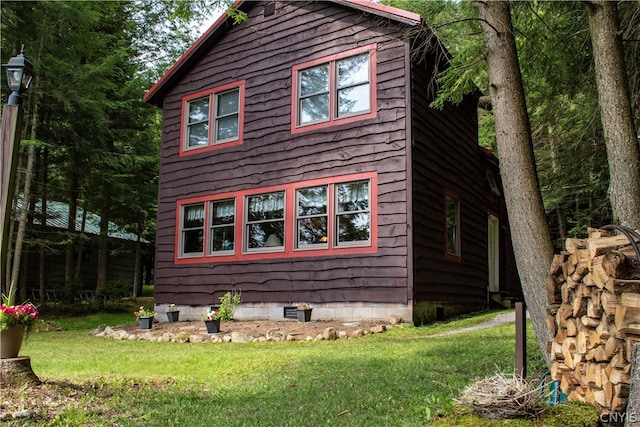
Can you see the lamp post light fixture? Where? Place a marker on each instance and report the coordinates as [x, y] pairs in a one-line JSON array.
[[19, 76]]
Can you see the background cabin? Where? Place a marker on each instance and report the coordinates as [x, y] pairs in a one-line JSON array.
[[301, 162], [122, 247]]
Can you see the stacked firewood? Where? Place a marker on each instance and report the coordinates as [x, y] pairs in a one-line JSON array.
[[593, 293]]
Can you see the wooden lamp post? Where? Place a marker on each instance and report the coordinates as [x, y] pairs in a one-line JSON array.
[[19, 76], [14, 371]]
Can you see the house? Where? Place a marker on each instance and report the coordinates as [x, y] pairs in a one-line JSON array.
[[300, 161]]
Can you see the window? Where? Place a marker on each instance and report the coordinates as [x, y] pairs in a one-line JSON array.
[[227, 115], [213, 118], [334, 90], [353, 219], [192, 236], [265, 221], [452, 237], [222, 231], [198, 123], [312, 217], [327, 216]]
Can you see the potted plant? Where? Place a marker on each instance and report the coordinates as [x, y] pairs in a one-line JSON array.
[[212, 321], [173, 314], [228, 304], [304, 310], [145, 317], [15, 322]]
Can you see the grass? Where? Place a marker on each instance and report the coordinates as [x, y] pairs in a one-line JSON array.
[[400, 378]]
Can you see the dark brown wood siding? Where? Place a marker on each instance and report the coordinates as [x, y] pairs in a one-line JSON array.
[[446, 157], [262, 51]]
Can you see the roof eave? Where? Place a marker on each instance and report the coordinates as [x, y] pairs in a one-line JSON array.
[[156, 93], [393, 13]]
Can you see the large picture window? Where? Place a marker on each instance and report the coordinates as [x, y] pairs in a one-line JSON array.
[[353, 215], [317, 217], [265, 221], [222, 231], [334, 90], [213, 118], [312, 217]]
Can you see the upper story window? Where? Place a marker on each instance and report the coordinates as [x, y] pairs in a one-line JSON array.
[[452, 219], [336, 89], [213, 118]]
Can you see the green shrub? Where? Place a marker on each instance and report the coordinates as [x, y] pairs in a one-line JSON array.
[[228, 304]]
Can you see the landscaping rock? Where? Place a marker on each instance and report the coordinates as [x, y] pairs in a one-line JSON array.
[[378, 329], [197, 338], [394, 319], [330, 334], [21, 414], [237, 337], [245, 331]]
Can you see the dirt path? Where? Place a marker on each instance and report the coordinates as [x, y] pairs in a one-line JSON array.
[[500, 319]]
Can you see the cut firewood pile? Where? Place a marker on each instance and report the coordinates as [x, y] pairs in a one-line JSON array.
[[593, 293]]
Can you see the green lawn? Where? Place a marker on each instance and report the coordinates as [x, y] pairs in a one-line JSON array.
[[402, 377]]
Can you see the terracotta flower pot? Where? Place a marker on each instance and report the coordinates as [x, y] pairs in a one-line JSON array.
[[11, 341]]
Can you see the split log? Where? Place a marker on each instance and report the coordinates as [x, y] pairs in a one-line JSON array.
[[604, 244], [572, 245], [609, 302], [572, 327], [626, 315]]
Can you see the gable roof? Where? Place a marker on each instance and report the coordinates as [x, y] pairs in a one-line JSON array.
[[156, 93]]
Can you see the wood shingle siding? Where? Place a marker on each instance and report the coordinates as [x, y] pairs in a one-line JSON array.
[[262, 52]]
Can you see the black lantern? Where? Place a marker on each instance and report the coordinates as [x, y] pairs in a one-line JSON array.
[[19, 76]]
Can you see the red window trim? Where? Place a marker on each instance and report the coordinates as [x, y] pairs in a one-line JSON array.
[[211, 92], [447, 255], [333, 121], [289, 250]]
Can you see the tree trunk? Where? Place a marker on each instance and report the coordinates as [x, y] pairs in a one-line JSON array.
[[103, 239], [615, 112], [137, 271], [22, 223], [73, 210], [42, 272], [529, 230], [17, 373]]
